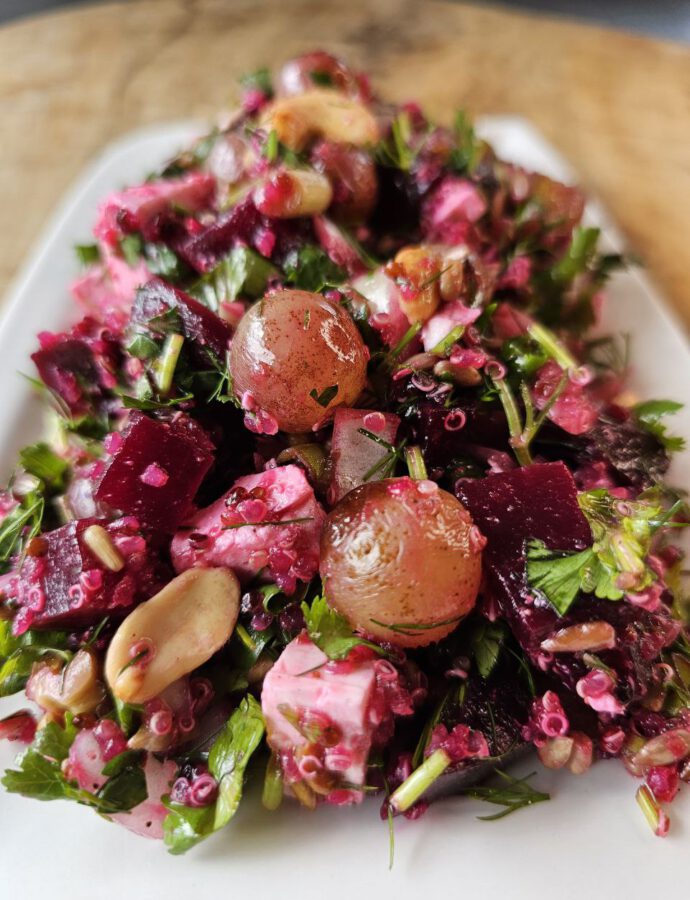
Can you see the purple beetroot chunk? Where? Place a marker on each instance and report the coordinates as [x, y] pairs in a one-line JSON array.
[[64, 584], [155, 470], [79, 366], [538, 501], [204, 330]]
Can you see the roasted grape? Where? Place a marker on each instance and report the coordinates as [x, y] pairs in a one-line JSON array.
[[294, 358], [401, 560]]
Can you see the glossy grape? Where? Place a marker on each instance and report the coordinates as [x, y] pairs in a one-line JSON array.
[[295, 357], [401, 560]]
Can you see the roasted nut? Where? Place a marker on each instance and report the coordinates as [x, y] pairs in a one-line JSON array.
[[101, 545], [300, 119], [172, 634], [294, 192], [586, 636], [75, 688], [416, 270]]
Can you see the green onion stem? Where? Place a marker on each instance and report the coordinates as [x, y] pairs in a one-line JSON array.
[[419, 781], [415, 463], [551, 345], [515, 428], [167, 361], [444, 345]]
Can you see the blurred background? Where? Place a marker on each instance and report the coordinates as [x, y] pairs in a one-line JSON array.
[[663, 18]]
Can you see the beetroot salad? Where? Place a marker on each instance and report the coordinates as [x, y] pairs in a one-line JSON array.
[[339, 492]]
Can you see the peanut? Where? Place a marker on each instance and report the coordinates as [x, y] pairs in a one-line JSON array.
[[300, 119], [586, 636], [75, 688], [178, 629], [416, 271]]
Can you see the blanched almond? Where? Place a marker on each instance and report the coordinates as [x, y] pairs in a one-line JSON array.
[[319, 113], [173, 633], [75, 688]]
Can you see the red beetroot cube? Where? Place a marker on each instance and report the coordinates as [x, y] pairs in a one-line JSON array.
[[156, 469], [64, 584], [200, 326], [79, 366]]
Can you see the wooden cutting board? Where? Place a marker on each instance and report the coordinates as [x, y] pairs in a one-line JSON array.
[[616, 105]]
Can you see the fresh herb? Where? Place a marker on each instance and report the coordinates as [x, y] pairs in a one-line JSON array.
[[243, 272], [557, 575], [272, 146], [648, 416], [258, 81], [19, 526], [407, 794], [467, 153], [332, 633], [272, 794], [137, 658], [409, 628], [18, 653], [622, 532], [513, 794], [395, 151], [486, 643], [147, 404], [322, 79], [299, 521], [326, 395], [38, 774], [185, 826], [132, 249], [87, 254], [523, 433], [445, 345], [415, 463], [143, 347], [311, 269], [161, 260], [39, 460]]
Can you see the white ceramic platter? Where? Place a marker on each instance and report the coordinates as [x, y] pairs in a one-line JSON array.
[[589, 841]]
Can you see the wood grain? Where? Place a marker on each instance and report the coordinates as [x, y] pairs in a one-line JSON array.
[[617, 105]]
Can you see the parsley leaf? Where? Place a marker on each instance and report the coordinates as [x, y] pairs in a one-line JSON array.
[[649, 415], [185, 826], [87, 254], [558, 575], [39, 460], [486, 642], [20, 525], [331, 632], [310, 269], [18, 655], [242, 272]]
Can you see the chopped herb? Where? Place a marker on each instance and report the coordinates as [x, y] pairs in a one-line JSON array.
[[299, 521], [142, 654], [311, 269], [40, 460], [513, 794], [18, 653], [19, 526], [323, 79], [330, 631], [87, 254], [486, 642], [326, 395], [648, 416], [467, 153], [558, 575], [272, 146], [391, 837], [185, 826], [419, 781], [160, 260], [142, 347], [272, 794], [147, 404], [258, 81], [445, 345], [409, 628], [243, 272], [132, 248], [415, 463]]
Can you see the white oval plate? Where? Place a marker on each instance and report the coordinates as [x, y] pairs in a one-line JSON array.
[[589, 841]]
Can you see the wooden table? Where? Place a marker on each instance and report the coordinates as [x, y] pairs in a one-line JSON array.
[[618, 106]]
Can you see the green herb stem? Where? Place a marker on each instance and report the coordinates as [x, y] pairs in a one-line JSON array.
[[548, 341], [419, 781], [167, 362], [272, 794], [415, 463]]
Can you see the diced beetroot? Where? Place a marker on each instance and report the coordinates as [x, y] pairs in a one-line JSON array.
[[321, 717], [203, 250], [575, 411], [450, 211], [440, 325], [538, 501], [134, 208], [383, 299], [200, 326], [221, 536], [353, 453], [63, 584], [79, 366], [178, 449], [106, 291]]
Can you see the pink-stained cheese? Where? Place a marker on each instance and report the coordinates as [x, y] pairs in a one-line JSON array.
[[223, 534], [304, 683]]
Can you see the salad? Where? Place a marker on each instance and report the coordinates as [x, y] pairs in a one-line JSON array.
[[339, 492]]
